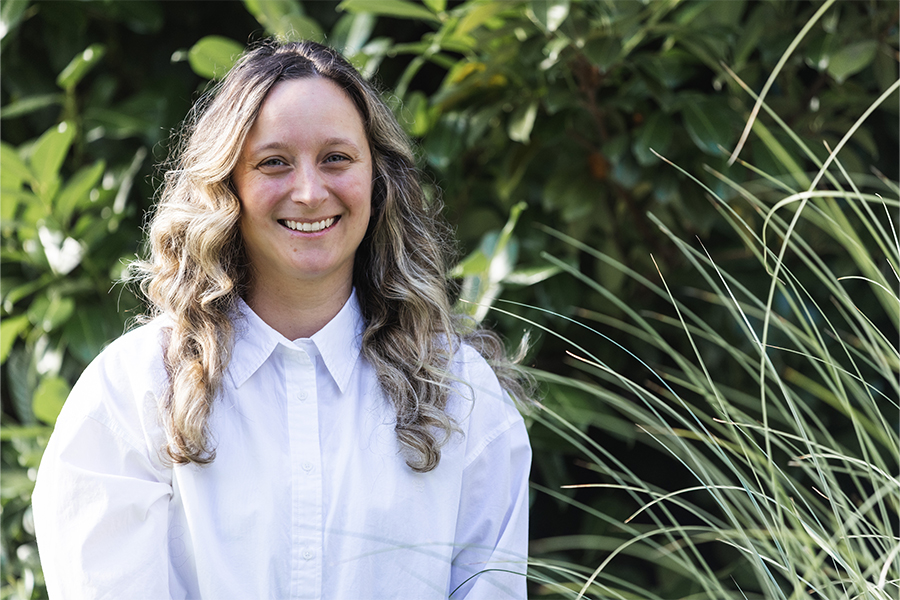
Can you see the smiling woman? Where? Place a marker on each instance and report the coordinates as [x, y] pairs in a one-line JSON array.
[[304, 179], [301, 416]]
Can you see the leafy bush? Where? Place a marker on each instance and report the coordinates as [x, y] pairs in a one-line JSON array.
[[63, 247], [543, 116]]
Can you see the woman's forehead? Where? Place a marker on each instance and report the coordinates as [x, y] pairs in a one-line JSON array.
[[307, 109]]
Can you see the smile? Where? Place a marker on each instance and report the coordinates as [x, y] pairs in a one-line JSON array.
[[309, 227]]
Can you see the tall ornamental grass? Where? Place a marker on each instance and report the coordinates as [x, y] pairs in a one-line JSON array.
[[773, 389]]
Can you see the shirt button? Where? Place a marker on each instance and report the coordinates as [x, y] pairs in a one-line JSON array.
[[308, 554], [302, 396], [307, 466]]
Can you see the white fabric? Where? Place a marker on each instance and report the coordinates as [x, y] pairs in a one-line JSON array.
[[308, 497]]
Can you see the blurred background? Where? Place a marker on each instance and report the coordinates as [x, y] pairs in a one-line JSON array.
[[541, 126]]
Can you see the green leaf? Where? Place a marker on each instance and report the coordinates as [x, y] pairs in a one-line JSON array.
[[851, 59], [117, 124], [268, 12], [507, 231], [49, 313], [709, 124], [521, 122], [87, 332], [80, 66], [77, 191], [370, 56], [445, 140], [17, 484], [603, 52], [11, 12], [10, 201], [11, 297], [295, 28], [213, 56], [414, 115], [781, 155], [719, 14], [285, 19], [401, 9], [49, 153], [351, 32], [49, 398], [10, 433], [473, 264], [550, 13], [752, 31], [476, 16], [21, 378], [488, 266], [29, 104], [9, 333], [142, 17], [884, 67], [673, 67], [531, 275], [655, 134], [436, 5], [820, 50], [13, 170]]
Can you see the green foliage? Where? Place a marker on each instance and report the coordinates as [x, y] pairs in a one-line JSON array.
[[548, 125], [562, 105], [213, 56], [782, 421], [285, 19], [61, 253], [390, 8], [492, 265]]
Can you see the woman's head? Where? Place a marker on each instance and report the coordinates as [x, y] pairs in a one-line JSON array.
[[218, 128], [304, 179]]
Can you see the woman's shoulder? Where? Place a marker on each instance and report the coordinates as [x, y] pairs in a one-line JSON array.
[[120, 387], [480, 405], [469, 365], [136, 354]]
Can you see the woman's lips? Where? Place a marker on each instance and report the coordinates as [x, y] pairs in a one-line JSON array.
[[313, 227]]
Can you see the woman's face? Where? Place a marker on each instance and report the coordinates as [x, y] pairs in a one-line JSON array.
[[304, 179]]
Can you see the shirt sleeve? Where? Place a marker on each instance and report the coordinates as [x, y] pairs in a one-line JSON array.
[[491, 556], [101, 502]]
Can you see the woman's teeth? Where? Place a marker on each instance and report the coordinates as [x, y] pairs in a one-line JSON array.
[[309, 227]]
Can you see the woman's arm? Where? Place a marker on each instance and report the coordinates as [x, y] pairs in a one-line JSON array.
[[492, 530], [491, 541], [101, 499]]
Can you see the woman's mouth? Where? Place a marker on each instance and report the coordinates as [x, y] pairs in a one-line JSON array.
[[309, 227]]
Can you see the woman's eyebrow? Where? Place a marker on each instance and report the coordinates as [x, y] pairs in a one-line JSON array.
[[278, 144], [339, 141]]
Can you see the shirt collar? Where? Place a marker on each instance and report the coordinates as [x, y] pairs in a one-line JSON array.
[[338, 343]]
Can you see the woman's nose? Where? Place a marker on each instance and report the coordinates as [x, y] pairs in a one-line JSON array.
[[308, 186]]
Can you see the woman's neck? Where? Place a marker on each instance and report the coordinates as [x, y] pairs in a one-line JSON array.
[[299, 312]]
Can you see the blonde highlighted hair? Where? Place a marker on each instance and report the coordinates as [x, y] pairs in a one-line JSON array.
[[197, 268]]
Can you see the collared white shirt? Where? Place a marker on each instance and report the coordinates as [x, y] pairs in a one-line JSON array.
[[309, 495]]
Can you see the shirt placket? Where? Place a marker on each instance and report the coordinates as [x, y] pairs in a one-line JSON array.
[[306, 475]]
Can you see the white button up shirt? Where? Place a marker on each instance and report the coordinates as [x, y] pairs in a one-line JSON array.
[[309, 495]]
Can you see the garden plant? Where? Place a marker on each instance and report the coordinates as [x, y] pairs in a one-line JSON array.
[[691, 206]]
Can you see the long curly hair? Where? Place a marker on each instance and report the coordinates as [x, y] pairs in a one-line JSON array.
[[197, 267]]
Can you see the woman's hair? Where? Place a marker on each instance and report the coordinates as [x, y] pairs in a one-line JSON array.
[[197, 266]]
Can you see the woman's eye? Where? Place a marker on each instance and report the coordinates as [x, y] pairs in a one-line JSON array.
[[272, 162], [336, 158]]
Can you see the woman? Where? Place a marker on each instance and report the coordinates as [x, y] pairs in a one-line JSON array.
[[302, 418]]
